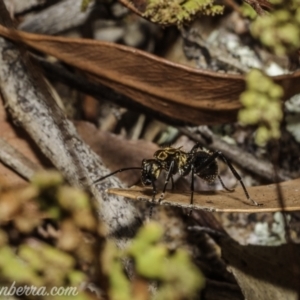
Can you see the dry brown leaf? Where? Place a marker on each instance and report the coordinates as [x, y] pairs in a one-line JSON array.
[[177, 91], [264, 272], [222, 201]]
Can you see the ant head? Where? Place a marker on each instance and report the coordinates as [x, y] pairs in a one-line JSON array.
[[151, 169]]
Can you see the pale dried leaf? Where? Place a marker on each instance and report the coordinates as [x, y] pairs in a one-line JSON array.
[[222, 201]]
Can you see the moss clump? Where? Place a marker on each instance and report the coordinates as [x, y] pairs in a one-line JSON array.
[[170, 12], [178, 277], [262, 106], [280, 30], [248, 11], [44, 227]]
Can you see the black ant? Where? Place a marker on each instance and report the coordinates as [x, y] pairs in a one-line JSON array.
[[173, 160]]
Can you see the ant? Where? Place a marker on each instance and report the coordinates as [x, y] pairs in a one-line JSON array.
[[198, 161]]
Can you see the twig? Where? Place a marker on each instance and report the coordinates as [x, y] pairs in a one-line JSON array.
[[137, 129], [32, 106], [207, 230], [12, 158], [246, 160], [234, 6], [256, 5]]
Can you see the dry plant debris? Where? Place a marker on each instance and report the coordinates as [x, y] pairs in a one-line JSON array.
[[222, 201], [130, 88]]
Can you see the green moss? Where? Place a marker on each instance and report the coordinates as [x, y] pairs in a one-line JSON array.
[[262, 106], [76, 277], [84, 4], [46, 179], [119, 284], [27, 259], [279, 30], [151, 264], [248, 11], [56, 257], [276, 2], [72, 199], [289, 33], [178, 277], [14, 269], [297, 15], [179, 11]]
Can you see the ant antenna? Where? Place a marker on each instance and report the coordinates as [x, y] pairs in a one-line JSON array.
[[118, 171]]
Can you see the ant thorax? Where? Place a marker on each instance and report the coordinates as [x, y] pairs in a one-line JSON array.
[[168, 155], [151, 169]]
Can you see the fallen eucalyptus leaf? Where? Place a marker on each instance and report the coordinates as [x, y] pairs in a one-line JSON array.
[[264, 272], [222, 201], [180, 92]]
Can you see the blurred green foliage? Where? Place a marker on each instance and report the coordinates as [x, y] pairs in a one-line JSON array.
[[280, 29], [76, 251], [84, 4], [176, 275], [179, 11], [30, 259], [248, 11], [262, 106]]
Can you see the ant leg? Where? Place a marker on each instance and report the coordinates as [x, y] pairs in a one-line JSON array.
[[217, 154], [154, 191], [169, 175], [236, 175], [192, 190], [115, 172], [224, 186], [172, 181]]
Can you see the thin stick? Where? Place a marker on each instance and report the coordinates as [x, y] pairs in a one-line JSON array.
[[15, 160]]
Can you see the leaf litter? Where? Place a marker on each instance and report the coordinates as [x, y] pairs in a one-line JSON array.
[[120, 151]]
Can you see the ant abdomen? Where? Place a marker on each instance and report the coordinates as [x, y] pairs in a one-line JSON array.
[[208, 173]]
